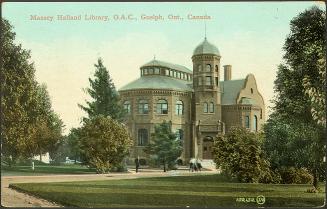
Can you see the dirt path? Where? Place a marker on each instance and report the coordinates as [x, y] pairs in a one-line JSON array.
[[13, 198]]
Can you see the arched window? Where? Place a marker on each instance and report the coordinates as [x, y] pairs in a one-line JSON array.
[[247, 121], [251, 90], [127, 107], [216, 68], [143, 107], [162, 106], [199, 68], [142, 138], [208, 68], [179, 108], [255, 123], [205, 107], [211, 107]]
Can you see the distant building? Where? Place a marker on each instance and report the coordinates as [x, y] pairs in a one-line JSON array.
[[197, 103]]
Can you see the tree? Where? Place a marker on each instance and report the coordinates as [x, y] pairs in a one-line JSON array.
[[239, 154], [73, 143], [46, 126], [104, 94], [300, 88], [165, 145], [104, 142], [25, 105]]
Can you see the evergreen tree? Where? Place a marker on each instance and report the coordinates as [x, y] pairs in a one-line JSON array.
[[104, 94], [165, 145]]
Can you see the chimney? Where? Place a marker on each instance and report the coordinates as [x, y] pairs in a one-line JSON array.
[[227, 72]]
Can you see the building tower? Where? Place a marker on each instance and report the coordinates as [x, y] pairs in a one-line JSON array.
[[206, 76]]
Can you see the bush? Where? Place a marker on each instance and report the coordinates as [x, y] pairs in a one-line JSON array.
[[142, 161], [291, 175], [179, 162], [270, 177]]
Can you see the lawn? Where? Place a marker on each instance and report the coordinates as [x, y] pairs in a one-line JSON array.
[[174, 191], [46, 169]]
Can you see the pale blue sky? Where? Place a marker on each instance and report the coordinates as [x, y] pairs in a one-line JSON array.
[[249, 36]]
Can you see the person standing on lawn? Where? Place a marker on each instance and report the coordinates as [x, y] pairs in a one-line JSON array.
[[137, 164]]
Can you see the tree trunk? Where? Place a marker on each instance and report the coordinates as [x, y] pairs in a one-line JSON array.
[[40, 156], [315, 179]]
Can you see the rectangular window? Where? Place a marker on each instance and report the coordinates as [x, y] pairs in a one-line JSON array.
[[216, 81], [145, 71], [208, 80], [156, 71], [200, 81], [167, 72]]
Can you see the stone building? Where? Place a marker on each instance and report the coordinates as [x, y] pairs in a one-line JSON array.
[[198, 103]]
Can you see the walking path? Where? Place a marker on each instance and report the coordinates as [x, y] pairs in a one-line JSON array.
[[13, 198]]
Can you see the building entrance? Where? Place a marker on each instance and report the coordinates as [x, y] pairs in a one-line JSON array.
[[207, 147]]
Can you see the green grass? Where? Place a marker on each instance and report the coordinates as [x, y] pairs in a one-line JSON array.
[[177, 191], [46, 169]]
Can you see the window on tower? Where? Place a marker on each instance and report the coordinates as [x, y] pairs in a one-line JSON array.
[[200, 81], [205, 107], [199, 68], [208, 68], [216, 78], [211, 107], [216, 68], [208, 80]]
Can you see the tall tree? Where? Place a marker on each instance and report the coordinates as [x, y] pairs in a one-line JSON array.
[[104, 94], [17, 87], [299, 86], [28, 124], [165, 145]]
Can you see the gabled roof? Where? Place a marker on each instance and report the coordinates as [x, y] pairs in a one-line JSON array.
[[230, 90], [158, 82], [158, 63]]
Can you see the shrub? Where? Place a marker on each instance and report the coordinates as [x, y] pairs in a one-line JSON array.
[[142, 161], [291, 175]]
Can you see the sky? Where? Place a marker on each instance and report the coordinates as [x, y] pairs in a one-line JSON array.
[[249, 36]]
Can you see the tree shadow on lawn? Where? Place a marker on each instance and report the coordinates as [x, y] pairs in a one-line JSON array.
[[160, 200]]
